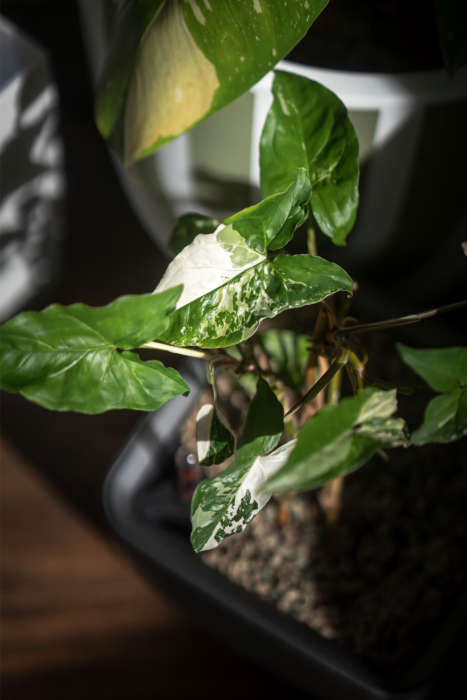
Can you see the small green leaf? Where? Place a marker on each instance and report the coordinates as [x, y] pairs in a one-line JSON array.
[[308, 127], [340, 439], [264, 423], [288, 355], [445, 419], [224, 505], [445, 370], [69, 358], [175, 63], [215, 442], [187, 228]]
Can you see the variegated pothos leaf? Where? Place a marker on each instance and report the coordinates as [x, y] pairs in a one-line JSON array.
[[175, 62], [230, 283], [215, 442], [224, 505]]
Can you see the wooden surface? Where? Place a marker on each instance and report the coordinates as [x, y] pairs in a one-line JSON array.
[[79, 622]]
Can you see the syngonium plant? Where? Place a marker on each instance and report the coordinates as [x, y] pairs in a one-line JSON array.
[[174, 64]]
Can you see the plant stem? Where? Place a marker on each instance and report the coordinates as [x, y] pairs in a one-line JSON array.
[[311, 236], [321, 384], [189, 352], [401, 320], [332, 491]]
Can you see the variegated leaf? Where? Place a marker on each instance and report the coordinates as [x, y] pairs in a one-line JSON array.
[[340, 439], [225, 504], [175, 62], [215, 442], [230, 283]]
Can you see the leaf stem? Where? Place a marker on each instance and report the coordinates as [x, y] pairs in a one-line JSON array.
[[322, 382], [401, 320], [188, 352]]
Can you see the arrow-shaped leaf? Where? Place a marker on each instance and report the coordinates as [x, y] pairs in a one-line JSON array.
[[444, 370], [175, 63], [229, 282], [340, 439], [308, 127], [75, 358], [224, 505]]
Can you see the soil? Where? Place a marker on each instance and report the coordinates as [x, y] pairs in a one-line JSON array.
[[379, 580]]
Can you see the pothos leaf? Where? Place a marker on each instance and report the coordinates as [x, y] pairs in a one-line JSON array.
[[230, 283], [340, 439], [308, 127], [69, 358], [186, 59], [445, 370], [215, 442], [225, 504]]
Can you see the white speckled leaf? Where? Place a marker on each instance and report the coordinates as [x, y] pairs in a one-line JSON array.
[[224, 505], [232, 311], [229, 282]]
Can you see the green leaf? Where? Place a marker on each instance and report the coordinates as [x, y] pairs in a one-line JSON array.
[[288, 355], [445, 370], [445, 419], [224, 505], [69, 358], [340, 439], [133, 20], [264, 423], [308, 127], [187, 228], [180, 61], [230, 283], [215, 442]]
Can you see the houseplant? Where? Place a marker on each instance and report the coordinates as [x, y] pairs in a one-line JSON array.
[[79, 358]]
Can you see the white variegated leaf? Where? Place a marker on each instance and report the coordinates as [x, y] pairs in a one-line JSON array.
[[215, 442], [224, 505], [231, 282]]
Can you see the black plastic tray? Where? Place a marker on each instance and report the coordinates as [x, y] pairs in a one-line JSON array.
[[143, 506]]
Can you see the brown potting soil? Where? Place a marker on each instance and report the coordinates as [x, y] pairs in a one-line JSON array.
[[381, 578]]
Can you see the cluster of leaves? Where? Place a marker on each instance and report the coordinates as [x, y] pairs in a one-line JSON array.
[[227, 277]]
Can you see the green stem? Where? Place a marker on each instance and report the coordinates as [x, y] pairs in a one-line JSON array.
[[321, 384], [401, 320], [188, 352]]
